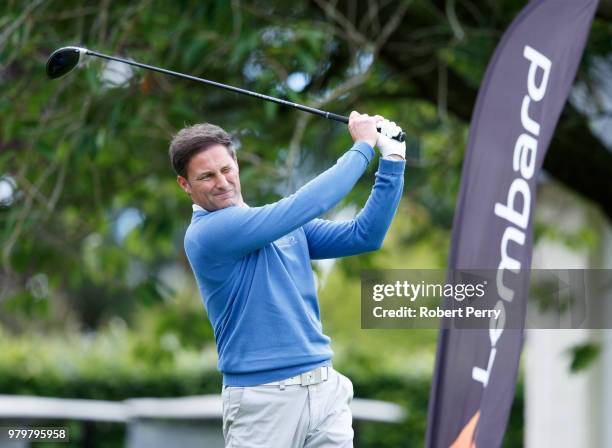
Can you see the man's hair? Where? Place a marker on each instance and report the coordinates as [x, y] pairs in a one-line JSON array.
[[194, 139]]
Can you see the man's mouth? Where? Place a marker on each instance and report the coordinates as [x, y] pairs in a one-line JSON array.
[[225, 195]]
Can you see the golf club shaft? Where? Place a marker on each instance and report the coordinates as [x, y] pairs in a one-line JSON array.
[[312, 110]]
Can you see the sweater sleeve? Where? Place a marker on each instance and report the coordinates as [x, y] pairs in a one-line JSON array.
[[233, 232], [366, 232]]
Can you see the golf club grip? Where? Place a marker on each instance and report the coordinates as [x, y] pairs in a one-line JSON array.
[[341, 118], [336, 117]]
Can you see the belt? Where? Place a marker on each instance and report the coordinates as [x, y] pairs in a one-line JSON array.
[[310, 378]]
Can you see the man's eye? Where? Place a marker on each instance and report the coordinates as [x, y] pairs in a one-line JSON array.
[[226, 170]]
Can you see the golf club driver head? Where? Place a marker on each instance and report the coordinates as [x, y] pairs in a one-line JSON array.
[[63, 60]]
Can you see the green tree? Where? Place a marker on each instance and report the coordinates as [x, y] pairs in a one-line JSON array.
[[95, 219]]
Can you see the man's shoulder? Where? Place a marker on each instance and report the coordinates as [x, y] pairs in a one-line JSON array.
[[203, 229], [195, 230]]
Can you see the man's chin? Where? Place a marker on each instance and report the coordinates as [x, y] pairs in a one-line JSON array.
[[225, 203], [221, 203]]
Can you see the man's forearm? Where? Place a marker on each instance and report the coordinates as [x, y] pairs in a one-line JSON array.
[[376, 216], [364, 233]]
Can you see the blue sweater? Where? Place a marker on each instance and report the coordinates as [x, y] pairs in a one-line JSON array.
[[252, 265]]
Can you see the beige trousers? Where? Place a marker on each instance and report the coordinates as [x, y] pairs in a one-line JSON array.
[[316, 416]]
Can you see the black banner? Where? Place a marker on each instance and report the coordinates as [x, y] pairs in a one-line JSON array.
[[524, 89]]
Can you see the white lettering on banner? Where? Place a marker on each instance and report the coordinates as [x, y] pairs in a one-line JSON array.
[[529, 124], [508, 211], [538, 60], [508, 263], [517, 215], [524, 155]]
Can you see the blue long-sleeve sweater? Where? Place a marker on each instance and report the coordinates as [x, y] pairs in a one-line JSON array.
[[252, 265]]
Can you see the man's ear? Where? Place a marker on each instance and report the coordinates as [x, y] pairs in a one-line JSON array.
[[184, 184]]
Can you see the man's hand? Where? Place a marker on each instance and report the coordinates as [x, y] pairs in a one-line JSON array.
[[363, 127], [389, 148]]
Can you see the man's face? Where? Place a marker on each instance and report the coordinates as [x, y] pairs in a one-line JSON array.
[[212, 180]]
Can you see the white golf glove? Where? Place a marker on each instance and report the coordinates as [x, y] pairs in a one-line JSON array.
[[386, 145]]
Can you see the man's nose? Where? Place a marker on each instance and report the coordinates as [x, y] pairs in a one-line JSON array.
[[222, 182]]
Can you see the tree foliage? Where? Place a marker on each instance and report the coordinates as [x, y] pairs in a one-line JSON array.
[[96, 220]]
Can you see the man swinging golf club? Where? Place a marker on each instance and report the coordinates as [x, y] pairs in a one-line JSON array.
[[252, 265]]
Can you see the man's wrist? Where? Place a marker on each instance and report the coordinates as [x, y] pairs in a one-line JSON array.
[[390, 166], [368, 142], [394, 157], [365, 149]]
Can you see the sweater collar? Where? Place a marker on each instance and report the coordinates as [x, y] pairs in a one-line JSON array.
[[197, 208]]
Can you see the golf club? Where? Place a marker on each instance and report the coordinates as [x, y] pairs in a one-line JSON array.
[[65, 59]]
